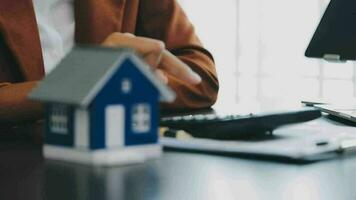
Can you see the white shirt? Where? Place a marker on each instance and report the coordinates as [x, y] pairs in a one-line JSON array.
[[55, 19]]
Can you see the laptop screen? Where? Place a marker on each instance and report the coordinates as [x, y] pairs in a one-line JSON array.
[[335, 36]]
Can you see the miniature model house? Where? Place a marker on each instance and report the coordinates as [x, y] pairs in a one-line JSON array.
[[101, 107]]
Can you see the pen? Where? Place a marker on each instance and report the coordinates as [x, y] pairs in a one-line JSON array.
[[173, 133], [343, 145], [347, 145]]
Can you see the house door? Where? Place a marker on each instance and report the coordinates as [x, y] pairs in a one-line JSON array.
[[115, 126]]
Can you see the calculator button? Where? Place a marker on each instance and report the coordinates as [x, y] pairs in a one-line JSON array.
[[177, 118], [165, 119], [234, 116], [210, 117], [199, 117], [221, 117], [227, 117], [188, 117]]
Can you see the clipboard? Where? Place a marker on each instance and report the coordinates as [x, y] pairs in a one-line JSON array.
[[296, 143]]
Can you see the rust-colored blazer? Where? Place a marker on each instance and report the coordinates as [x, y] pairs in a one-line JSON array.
[[21, 63]]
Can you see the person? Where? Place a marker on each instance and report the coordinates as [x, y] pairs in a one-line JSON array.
[[36, 34]]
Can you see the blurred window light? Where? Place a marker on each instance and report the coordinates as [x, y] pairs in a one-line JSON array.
[[259, 47]]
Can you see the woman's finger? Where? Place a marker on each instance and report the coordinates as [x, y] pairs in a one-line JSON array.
[[172, 65], [141, 45], [161, 76], [153, 51]]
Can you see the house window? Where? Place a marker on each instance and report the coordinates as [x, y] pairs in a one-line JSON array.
[[126, 86], [141, 118], [58, 121]]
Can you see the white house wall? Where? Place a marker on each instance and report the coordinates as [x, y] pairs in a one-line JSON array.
[[81, 128]]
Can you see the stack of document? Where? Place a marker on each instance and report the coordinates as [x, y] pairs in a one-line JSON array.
[[311, 141]]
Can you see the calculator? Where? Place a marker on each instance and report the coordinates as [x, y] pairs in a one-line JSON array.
[[235, 127]]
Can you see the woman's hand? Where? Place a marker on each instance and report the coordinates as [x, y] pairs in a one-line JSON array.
[[157, 57]]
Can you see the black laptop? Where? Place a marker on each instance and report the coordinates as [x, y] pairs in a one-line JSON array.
[[335, 40], [335, 37]]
